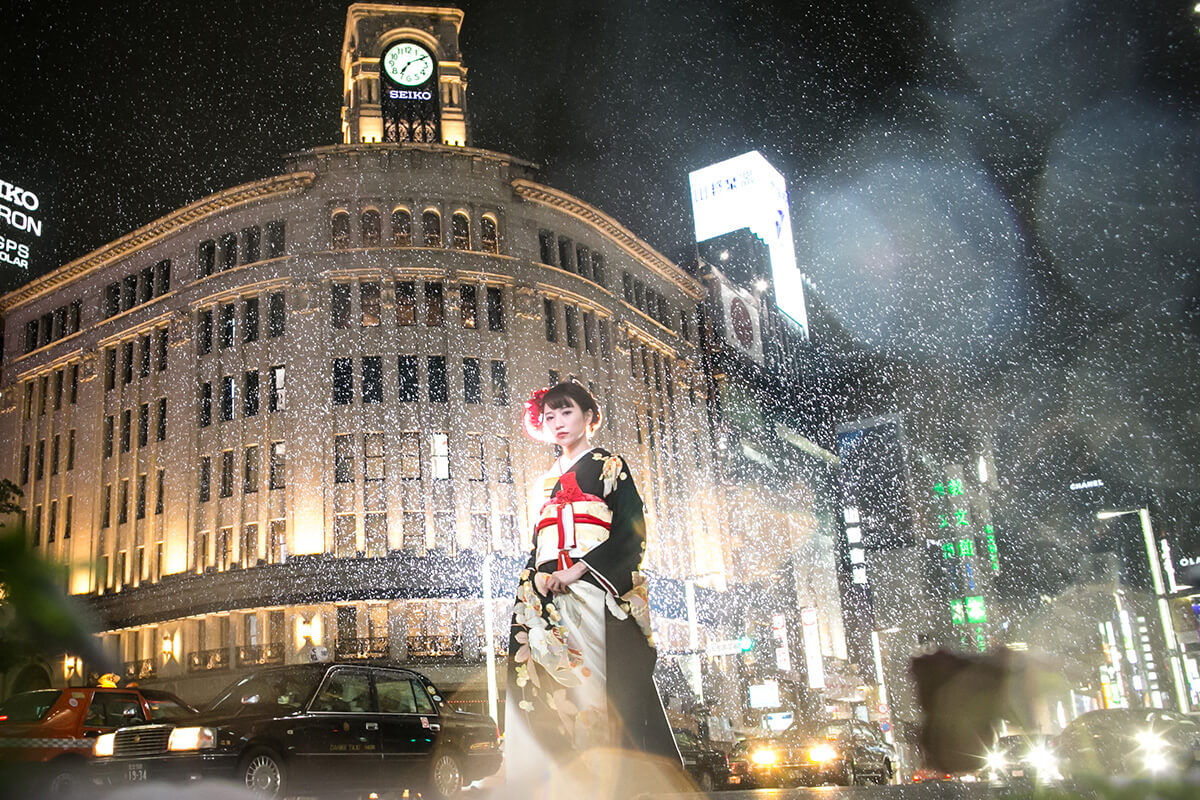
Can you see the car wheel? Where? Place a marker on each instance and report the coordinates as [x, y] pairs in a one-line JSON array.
[[885, 774], [849, 776], [65, 782], [263, 773], [445, 776], [706, 782]]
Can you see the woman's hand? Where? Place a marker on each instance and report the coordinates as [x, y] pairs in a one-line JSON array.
[[559, 581]]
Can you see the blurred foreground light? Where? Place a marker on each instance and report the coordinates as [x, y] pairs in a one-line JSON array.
[[822, 753], [724, 256], [1150, 741], [996, 760], [764, 757]]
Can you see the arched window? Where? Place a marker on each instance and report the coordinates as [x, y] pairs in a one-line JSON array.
[[339, 230], [206, 256], [431, 225], [460, 229], [487, 235], [401, 228], [371, 228]]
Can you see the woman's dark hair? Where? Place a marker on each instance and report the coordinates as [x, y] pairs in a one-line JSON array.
[[562, 394]]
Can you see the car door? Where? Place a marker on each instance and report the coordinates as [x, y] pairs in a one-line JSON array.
[[337, 738], [409, 724]]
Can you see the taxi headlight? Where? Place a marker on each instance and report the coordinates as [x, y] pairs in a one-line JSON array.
[[822, 753], [104, 745], [192, 739], [765, 757], [996, 760], [1041, 759]]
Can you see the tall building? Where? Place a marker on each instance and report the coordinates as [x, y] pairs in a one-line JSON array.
[[287, 416]]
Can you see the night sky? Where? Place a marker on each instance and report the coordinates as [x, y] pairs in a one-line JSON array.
[[1004, 191]]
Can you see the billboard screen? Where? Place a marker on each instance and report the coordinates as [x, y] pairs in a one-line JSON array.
[[747, 192], [20, 228]]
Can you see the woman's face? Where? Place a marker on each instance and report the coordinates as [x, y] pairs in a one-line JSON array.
[[566, 425]]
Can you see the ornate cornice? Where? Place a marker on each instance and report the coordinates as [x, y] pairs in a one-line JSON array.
[[625, 238], [160, 229]]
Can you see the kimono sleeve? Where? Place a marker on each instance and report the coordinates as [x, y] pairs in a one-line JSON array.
[[615, 560]]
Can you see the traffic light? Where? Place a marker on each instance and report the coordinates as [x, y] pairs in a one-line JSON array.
[[746, 643]]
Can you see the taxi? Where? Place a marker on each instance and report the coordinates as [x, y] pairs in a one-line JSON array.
[[345, 728], [47, 735]]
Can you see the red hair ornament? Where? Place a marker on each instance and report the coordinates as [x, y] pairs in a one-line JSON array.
[[533, 416]]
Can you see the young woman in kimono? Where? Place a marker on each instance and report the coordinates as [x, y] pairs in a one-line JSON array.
[[581, 655]]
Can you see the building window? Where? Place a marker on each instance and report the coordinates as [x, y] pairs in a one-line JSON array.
[[410, 455], [108, 436], [37, 525], [250, 320], [435, 305], [200, 559], [504, 472], [278, 465], [222, 545], [444, 532], [250, 394], [276, 238], [206, 256], [401, 228], [406, 303], [369, 300], [54, 455], [39, 469], [343, 381], [546, 248], [110, 374], [128, 294], [469, 306], [251, 244], [409, 389], [343, 458], [205, 405], [276, 398], [460, 230], [339, 230], [583, 261], [70, 450], [250, 470], [68, 514], [126, 429], [373, 464], [572, 326], [495, 309], [227, 473], [25, 465], [145, 285], [431, 228], [228, 244], [31, 335], [141, 496], [437, 379], [440, 455], [73, 394], [372, 379], [371, 226], [75, 315], [344, 545], [226, 326], [414, 531], [204, 332], [161, 488], [375, 534], [27, 406], [339, 306], [481, 536], [551, 321], [277, 545], [123, 503], [227, 398], [144, 356], [566, 254], [605, 341], [160, 434], [488, 240], [276, 314], [106, 507], [44, 393], [249, 554], [126, 366], [472, 388], [58, 389], [161, 354], [589, 333], [474, 457], [143, 424]]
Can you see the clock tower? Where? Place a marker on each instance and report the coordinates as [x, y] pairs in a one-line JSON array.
[[404, 80]]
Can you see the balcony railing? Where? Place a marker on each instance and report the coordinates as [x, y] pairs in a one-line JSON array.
[[139, 670], [435, 646], [362, 649], [254, 655], [208, 660]]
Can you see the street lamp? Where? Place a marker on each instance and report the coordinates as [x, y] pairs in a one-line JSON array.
[[1164, 611]]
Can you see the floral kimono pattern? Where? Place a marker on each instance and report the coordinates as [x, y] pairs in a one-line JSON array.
[[580, 663]]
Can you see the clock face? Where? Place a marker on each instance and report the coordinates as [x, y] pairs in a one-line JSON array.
[[407, 63]]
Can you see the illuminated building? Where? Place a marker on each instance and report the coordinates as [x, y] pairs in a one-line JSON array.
[[288, 415]]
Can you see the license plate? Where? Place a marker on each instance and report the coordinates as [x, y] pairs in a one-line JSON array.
[[1018, 773], [135, 772]]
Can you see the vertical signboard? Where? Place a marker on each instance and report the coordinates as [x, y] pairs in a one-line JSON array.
[[747, 192], [812, 648]]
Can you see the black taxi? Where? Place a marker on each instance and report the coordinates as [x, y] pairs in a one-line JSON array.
[[320, 727]]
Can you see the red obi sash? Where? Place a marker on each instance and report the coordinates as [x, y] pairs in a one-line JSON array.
[[568, 493]]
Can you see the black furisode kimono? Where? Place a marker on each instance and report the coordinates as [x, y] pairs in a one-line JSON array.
[[580, 664]]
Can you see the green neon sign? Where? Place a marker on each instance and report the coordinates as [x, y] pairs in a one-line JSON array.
[[976, 610]]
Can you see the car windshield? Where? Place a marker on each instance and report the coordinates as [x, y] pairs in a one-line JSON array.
[[166, 707], [28, 706], [286, 688]]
